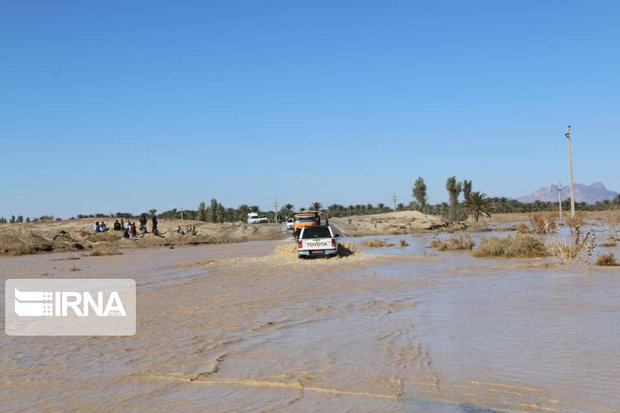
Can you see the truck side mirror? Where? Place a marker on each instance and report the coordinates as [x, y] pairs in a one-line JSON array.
[[337, 236]]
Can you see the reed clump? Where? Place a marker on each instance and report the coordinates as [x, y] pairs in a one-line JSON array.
[[577, 252], [542, 224], [460, 242], [519, 246], [608, 260]]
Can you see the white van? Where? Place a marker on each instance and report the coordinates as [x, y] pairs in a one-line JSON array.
[[254, 218]]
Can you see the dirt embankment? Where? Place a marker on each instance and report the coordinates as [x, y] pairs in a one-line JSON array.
[[77, 235], [402, 222]]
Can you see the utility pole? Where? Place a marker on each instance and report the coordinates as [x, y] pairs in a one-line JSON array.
[[572, 183], [181, 212], [560, 197], [275, 207], [394, 201]]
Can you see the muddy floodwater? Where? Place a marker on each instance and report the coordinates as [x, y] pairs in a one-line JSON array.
[[243, 328]]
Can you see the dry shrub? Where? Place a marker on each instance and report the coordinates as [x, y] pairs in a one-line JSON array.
[[612, 219], [376, 243], [577, 252], [460, 242], [523, 228], [403, 243], [519, 246], [564, 253], [607, 260], [609, 243], [576, 221], [542, 224]]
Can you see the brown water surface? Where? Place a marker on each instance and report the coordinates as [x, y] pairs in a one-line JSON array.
[[238, 328]]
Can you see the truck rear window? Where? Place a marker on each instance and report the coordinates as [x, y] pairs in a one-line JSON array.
[[316, 232], [305, 219]]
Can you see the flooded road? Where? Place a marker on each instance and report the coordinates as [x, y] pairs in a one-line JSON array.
[[239, 328]]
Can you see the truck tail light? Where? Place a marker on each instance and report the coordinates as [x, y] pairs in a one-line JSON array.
[[333, 242], [299, 244]]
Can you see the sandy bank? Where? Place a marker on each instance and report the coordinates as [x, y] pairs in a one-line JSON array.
[[77, 235], [402, 222]]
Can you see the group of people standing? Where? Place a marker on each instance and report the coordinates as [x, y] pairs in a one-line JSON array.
[[129, 229]]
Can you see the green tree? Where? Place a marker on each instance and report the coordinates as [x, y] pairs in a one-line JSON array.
[[287, 210], [213, 210], [12, 221], [242, 212], [477, 204], [20, 219], [316, 206], [202, 212], [466, 188], [152, 212], [419, 192], [27, 219], [220, 213], [454, 189]]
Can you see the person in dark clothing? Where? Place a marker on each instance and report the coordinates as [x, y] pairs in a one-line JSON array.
[[143, 223], [155, 231], [117, 225]]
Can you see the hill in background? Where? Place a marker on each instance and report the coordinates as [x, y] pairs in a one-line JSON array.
[[591, 194]]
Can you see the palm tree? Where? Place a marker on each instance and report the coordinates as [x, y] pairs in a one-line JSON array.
[[477, 204], [316, 206], [242, 212], [287, 210]]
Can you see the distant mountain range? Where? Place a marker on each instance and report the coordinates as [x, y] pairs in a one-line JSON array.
[[583, 193]]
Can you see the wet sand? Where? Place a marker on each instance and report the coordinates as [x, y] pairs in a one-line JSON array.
[[241, 328]]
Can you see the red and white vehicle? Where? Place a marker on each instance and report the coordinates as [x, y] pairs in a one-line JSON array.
[[317, 240]]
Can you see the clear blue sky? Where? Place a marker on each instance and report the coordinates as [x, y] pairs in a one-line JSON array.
[[125, 106]]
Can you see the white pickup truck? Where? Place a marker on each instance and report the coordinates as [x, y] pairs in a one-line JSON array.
[[317, 241]]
